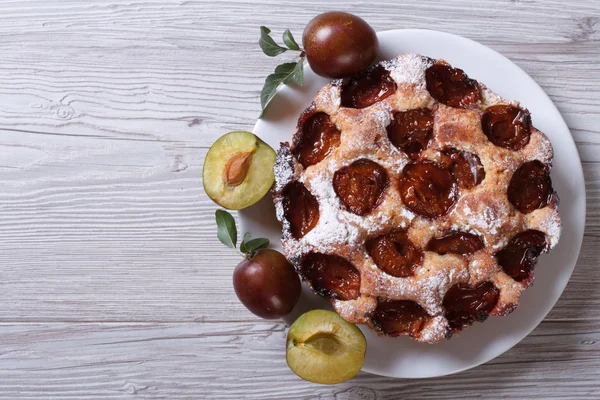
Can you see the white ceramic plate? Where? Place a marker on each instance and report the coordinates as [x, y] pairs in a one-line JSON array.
[[402, 357]]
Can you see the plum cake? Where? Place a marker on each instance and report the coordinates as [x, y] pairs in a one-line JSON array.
[[415, 200]]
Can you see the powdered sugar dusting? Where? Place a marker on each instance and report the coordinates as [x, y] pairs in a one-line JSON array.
[[330, 232], [283, 168], [381, 115], [551, 226], [434, 331], [486, 221], [408, 68], [538, 148], [344, 308], [328, 98], [489, 98]]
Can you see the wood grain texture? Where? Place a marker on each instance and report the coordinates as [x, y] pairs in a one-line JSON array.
[[246, 360], [113, 284]]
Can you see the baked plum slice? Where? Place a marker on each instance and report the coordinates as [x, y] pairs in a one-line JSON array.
[[530, 187], [319, 137], [368, 88], [300, 208], [519, 257], [427, 189], [411, 130], [461, 243], [507, 126], [360, 185], [395, 254], [451, 86], [466, 167], [464, 305], [401, 317], [331, 276]]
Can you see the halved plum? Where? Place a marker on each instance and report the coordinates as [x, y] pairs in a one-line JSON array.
[[238, 170], [322, 347]]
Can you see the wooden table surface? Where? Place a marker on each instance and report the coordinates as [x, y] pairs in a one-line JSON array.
[[113, 284]]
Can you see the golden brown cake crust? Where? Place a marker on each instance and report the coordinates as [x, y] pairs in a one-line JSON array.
[[483, 210]]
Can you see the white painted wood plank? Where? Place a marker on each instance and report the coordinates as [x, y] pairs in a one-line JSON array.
[[247, 360]]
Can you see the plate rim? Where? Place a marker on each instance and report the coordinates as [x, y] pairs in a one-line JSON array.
[[579, 172]]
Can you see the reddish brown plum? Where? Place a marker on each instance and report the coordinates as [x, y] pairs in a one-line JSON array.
[[267, 284], [461, 243], [451, 86], [368, 88], [507, 126], [530, 187], [360, 185], [465, 305], [519, 257], [300, 208], [395, 254], [411, 130], [401, 317], [465, 167], [339, 44], [427, 189], [331, 276], [319, 137]]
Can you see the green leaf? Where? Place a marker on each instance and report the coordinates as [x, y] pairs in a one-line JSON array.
[[298, 73], [226, 231], [283, 74], [256, 244], [288, 70], [247, 237], [289, 41], [267, 44]]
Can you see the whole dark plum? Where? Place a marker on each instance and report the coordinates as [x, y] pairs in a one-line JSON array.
[[267, 284], [339, 44]]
